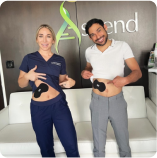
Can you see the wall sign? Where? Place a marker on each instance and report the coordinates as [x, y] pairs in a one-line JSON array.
[[61, 35]]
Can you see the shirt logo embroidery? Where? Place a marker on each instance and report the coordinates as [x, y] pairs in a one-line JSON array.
[[59, 64]]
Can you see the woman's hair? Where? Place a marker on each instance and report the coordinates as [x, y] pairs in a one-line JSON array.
[[48, 27], [91, 22]]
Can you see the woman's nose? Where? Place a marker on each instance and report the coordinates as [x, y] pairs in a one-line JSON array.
[[45, 39]]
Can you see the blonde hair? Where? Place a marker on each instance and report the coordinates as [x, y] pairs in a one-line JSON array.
[[48, 27]]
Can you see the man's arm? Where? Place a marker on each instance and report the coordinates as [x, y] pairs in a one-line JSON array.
[[88, 67], [136, 73], [86, 73], [132, 77]]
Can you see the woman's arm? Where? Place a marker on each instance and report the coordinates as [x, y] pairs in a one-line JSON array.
[[62, 78], [23, 80], [31, 75], [65, 81]]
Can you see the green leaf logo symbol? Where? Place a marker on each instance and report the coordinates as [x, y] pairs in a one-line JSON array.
[[66, 16]]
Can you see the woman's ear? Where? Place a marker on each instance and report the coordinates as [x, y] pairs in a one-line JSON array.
[[53, 41]]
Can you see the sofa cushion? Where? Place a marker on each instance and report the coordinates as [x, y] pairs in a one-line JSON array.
[[21, 139], [19, 107], [141, 134], [135, 98], [78, 102]]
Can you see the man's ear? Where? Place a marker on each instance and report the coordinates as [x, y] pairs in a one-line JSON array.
[[105, 26], [89, 37]]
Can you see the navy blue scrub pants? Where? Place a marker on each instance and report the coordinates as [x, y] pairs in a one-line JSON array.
[[44, 115]]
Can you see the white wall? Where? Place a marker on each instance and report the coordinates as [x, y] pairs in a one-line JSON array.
[[2, 82]]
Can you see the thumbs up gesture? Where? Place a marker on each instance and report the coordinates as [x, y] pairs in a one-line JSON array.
[[32, 75], [68, 83]]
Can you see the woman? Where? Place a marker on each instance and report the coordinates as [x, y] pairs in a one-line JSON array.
[[46, 73]]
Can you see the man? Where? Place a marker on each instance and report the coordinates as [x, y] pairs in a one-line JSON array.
[[105, 68]]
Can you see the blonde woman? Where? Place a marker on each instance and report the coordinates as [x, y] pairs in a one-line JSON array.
[[46, 73]]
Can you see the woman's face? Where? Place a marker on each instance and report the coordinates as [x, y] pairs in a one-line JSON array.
[[45, 39]]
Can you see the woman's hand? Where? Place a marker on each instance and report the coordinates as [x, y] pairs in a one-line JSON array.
[[32, 75], [68, 83]]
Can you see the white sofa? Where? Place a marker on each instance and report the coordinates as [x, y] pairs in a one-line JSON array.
[[17, 137]]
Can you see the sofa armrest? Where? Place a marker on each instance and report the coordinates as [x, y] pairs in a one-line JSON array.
[[151, 112], [4, 117]]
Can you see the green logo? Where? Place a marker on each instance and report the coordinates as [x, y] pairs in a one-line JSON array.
[[61, 35]]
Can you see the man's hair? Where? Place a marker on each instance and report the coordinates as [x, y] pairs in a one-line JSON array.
[[91, 22]]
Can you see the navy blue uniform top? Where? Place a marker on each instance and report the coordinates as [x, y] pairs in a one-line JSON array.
[[52, 68]]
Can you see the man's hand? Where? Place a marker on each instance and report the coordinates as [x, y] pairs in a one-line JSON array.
[[86, 74], [68, 83], [118, 81]]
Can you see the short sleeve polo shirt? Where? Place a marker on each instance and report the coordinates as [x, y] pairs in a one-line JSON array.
[[52, 68], [110, 63]]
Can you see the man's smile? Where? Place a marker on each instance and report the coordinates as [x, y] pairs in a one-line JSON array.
[[101, 39]]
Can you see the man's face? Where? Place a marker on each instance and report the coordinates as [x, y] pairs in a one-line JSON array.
[[98, 34]]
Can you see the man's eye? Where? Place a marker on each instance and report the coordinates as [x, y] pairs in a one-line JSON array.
[[99, 30]]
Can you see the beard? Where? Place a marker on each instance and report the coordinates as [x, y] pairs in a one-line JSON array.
[[103, 43]]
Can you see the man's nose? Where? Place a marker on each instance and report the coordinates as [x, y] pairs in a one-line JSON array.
[[98, 36]]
